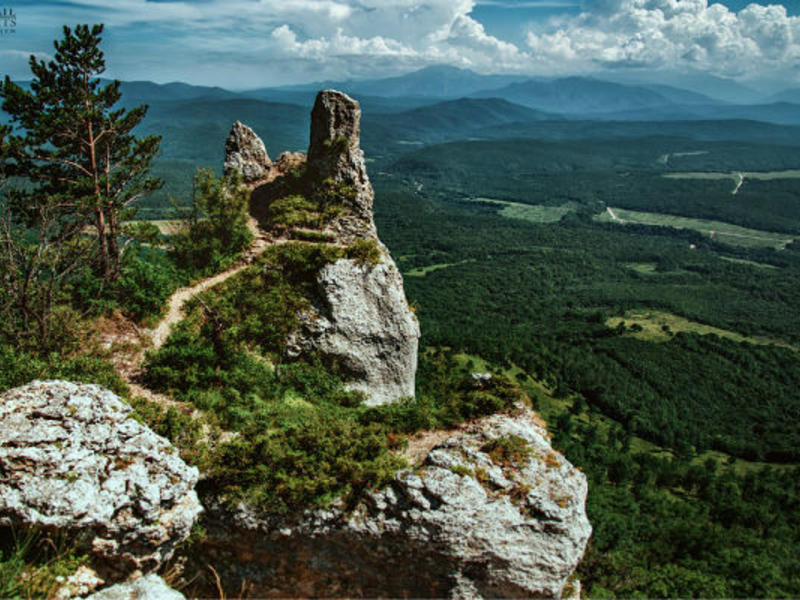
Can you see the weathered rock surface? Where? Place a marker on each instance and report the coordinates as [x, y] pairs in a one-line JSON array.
[[245, 152], [334, 151], [361, 317], [458, 526], [72, 459], [149, 587]]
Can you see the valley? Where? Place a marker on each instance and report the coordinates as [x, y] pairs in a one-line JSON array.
[[628, 255]]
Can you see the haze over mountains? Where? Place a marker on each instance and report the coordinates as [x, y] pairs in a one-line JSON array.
[[570, 97], [438, 104], [443, 104]]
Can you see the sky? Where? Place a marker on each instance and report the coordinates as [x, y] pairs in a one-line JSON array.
[[242, 44]]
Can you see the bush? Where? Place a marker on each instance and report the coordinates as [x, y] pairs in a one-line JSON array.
[[21, 367], [315, 456], [34, 563], [179, 427], [147, 280], [364, 252], [216, 230], [511, 451]]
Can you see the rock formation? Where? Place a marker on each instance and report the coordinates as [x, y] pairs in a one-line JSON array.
[[464, 524], [245, 152], [334, 151], [73, 459], [360, 315], [149, 587]]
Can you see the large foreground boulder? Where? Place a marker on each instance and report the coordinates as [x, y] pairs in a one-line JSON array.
[[491, 512], [73, 460]]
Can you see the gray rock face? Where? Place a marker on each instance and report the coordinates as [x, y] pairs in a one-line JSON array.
[[460, 526], [245, 152], [72, 459], [149, 587], [334, 151], [362, 318]]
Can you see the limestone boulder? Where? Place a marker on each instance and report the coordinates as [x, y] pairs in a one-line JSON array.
[[460, 525], [149, 587], [73, 460], [362, 319]]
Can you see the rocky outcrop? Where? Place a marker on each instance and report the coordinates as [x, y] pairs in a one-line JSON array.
[[149, 587], [360, 316], [468, 523], [334, 152], [245, 152], [73, 459]]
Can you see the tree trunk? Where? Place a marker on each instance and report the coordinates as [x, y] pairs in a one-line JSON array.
[[102, 238], [113, 248]]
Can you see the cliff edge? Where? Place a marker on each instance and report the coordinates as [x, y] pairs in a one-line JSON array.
[[360, 317]]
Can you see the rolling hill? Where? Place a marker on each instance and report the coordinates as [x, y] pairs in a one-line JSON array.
[[578, 96]]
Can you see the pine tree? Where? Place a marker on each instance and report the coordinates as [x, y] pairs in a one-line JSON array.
[[76, 150]]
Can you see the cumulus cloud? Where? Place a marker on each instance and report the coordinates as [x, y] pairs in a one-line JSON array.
[[673, 34], [267, 42], [289, 39]]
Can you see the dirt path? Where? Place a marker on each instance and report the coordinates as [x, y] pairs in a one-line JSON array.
[[175, 303], [613, 215], [738, 183], [178, 299]]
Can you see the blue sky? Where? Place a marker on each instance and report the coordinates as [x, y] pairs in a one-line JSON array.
[[255, 43]]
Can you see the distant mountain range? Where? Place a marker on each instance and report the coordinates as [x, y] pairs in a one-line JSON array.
[[579, 98], [430, 82], [438, 105]]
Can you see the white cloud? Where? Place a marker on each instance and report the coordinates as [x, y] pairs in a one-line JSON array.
[[266, 42], [332, 38], [673, 34]]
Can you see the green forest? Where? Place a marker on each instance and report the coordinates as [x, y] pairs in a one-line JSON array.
[[689, 440]]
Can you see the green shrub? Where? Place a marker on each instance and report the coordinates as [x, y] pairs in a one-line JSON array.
[[462, 470], [292, 211], [216, 230], [310, 235], [147, 280], [21, 367], [34, 563], [337, 145], [316, 455], [179, 427], [300, 202], [364, 252]]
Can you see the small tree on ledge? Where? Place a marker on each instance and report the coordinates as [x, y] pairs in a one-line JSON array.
[[71, 144]]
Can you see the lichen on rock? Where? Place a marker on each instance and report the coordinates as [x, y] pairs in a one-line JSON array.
[[245, 152], [73, 460], [459, 525]]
